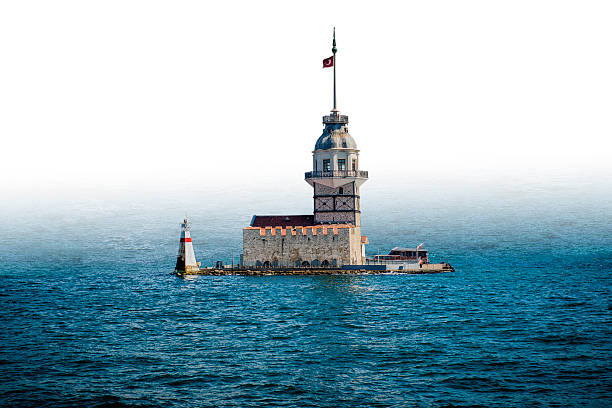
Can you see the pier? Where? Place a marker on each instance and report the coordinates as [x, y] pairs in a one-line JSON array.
[[353, 270]]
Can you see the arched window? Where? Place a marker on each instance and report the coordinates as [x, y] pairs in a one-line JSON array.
[[275, 263], [266, 264], [258, 264], [305, 264], [334, 262], [316, 263], [325, 263], [298, 263]]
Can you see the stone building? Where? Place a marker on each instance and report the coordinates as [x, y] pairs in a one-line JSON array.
[[332, 235]]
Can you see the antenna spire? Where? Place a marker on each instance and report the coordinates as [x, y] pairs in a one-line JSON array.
[[334, 49]]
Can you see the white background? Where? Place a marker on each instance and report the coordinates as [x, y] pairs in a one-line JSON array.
[[158, 96]]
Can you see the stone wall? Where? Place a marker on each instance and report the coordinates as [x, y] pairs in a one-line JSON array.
[[304, 246]]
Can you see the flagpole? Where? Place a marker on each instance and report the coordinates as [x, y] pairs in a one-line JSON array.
[[334, 49]]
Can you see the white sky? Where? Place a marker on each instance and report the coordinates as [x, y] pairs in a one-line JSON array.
[[150, 95]]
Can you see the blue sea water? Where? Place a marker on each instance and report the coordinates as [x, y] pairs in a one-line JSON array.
[[91, 315]]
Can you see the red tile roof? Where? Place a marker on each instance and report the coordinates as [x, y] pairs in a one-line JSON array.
[[282, 221]]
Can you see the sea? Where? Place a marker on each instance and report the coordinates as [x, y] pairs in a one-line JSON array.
[[92, 316]]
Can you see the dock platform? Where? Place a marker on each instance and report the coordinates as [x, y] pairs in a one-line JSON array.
[[439, 268]]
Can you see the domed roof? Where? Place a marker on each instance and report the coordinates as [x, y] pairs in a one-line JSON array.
[[338, 138]]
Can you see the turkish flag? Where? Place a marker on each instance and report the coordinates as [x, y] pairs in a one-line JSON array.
[[328, 62]]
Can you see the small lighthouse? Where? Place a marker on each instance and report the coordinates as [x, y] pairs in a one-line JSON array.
[[186, 260]]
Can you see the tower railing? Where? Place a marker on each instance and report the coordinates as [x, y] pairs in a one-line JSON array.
[[336, 173], [335, 119]]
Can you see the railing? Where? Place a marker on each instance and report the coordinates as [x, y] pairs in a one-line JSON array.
[[335, 119], [336, 173], [410, 266], [370, 261]]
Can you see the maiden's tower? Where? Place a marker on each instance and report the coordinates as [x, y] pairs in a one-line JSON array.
[[331, 236]]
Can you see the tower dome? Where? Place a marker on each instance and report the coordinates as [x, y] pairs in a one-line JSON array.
[[335, 136]]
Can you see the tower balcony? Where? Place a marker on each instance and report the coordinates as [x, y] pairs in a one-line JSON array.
[[336, 173], [335, 118], [336, 178]]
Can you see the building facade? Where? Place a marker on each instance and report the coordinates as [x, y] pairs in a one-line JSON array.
[[310, 246]]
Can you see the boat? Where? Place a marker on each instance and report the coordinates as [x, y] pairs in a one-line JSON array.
[[409, 260], [414, 255]]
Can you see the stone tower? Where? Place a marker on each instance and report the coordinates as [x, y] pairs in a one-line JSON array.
[[335, 174], [331, 237]]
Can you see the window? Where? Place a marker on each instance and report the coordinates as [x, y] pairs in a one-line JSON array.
[[340, 190], [326, 165], [354, 165], [341, 164]]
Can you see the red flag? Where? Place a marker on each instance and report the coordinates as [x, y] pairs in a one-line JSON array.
[[328, 62]]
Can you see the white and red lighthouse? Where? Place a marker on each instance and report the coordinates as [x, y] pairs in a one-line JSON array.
[[186, 260]]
